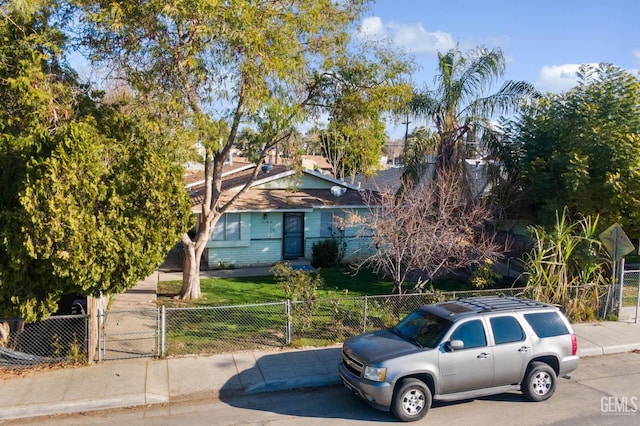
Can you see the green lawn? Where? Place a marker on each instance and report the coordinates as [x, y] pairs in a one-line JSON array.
[[340, 312], [237, 291]]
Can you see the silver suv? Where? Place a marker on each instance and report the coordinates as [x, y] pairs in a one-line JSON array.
[[458, 350]]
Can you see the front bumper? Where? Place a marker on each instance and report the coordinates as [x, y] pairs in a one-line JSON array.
[[377, 394]]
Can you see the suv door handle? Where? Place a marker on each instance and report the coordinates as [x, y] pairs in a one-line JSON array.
[[524, 349], [484, 355]]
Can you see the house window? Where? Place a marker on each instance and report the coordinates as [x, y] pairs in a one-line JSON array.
[[332, 224], [227, 228]]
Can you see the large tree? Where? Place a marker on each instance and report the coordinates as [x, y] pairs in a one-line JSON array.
[[91, 200], [580, 149], [459, 108], [227, 65], [355, 133]]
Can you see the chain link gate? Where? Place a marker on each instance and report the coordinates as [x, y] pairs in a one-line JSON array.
[[128, 334]]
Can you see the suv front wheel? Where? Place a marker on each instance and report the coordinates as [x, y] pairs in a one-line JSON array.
[[411, 401], [539, 382]]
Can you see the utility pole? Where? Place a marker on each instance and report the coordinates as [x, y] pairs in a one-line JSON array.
[[406, 129]]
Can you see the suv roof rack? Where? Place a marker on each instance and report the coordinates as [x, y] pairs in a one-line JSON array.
[[500, 303]]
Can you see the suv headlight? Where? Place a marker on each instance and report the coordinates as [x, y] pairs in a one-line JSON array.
[[376, 374]]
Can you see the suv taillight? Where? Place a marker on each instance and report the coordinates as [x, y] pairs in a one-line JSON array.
[[574, 344]]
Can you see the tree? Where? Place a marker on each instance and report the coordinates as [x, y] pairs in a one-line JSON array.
[[356, 134], [420, 144], [261, 64], [459, 109], [87, 187], [580, 149], [425, 231]]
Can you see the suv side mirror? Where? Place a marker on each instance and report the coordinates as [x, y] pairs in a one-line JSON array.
[[453, 345]]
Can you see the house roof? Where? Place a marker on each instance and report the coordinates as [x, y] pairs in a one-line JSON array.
[[286, 200], [318, 160], [387, 179], [261, 197]]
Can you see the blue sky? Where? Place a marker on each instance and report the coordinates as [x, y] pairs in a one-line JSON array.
[[543, 41]]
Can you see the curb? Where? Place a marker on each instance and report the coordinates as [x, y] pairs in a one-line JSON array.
[[48, 409]]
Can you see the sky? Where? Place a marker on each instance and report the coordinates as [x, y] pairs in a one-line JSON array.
[[543, 41]]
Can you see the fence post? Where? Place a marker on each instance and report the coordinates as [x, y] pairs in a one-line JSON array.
[[163, 331], [364, 319], [288, 330], [638, 298], [100, 331]]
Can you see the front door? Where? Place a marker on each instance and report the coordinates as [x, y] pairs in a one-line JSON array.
[[469, 368], [293, 236]]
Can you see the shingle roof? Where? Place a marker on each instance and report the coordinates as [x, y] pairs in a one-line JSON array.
[[282, 199], [275, 199]]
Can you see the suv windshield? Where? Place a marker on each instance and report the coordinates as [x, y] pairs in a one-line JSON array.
[[422, 328]]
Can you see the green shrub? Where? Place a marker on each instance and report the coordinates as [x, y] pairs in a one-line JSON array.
[[485, 276], [329, 252], [299, 286]]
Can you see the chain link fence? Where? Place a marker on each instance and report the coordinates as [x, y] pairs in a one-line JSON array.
[[54, 340], [630, 306], [322, 322], [215, 329]]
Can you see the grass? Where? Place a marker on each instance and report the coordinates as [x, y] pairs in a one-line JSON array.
[[229, 317], [244, 290]]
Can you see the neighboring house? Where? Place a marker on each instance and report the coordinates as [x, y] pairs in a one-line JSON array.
[[389, 179], [318, 163], [280, 216], [384, 180]]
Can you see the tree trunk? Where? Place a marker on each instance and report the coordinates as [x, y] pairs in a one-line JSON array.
[[191, 272], [4, 333]]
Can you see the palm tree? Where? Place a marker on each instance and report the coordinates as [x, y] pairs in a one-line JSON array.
[[460, 111]]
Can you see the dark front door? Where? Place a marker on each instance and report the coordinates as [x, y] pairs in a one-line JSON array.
[[293, 244]]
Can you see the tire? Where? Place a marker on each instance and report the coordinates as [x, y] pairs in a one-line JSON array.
[[539, 382], [411, 401]]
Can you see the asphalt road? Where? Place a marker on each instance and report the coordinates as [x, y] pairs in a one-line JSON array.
[[603, 391]]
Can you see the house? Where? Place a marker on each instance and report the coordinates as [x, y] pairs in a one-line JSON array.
[[280, 216]]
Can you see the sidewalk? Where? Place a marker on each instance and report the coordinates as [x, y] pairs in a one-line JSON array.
[[117, 384], [144, 381]]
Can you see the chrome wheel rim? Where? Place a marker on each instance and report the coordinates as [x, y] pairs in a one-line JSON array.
[[541, 383], [413, 402]]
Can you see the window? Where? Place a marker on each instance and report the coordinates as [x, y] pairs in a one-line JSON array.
[[227, 228], [547, 324], [423, 327], [506, 330], [332, 224], [471, 333]]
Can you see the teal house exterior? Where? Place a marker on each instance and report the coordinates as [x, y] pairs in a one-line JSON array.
[[281, 216]]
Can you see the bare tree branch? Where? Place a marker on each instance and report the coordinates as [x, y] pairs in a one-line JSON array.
[[428, 230]]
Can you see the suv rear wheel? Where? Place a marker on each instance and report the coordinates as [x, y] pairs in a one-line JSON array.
[[539, 382], [411, 401]]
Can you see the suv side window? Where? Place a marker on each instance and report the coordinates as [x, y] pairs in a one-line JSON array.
[[506, 330], [471, 333], [546, 324]]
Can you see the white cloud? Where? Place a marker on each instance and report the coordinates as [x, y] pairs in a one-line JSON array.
[[372, 28], [636, 56], [413, 38], [560, 78], [557, 78]]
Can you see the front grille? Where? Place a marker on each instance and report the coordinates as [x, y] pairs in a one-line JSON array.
[[354, 366]]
